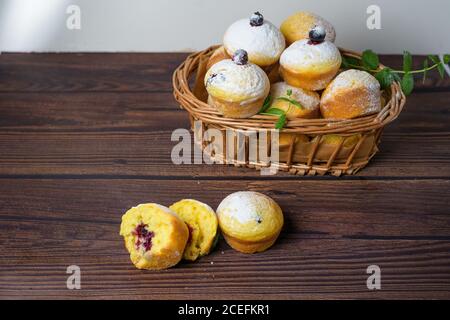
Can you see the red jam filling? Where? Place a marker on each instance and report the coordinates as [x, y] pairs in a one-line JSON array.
[[190, 233], [143, 237]]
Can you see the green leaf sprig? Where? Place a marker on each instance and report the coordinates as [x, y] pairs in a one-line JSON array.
[[282, 118], [266, 104], [281, 122], [290, 100], [370, 62]]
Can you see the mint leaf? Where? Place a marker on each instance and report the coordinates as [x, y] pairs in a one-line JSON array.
[[266, 104], [291, 101], [407, 61], [344, 63], [385, 77], [446, 58], [289, 92], [407, 83], [425, 67], [297, 104], [441, 70], [439, 64], [433, 58], [396, 76], [370, 60], [281, 122], [275, 111], [350, 62], [354, 61], [281, 117]]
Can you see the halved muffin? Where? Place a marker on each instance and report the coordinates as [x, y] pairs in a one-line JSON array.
[[154, 236], [202, 223]]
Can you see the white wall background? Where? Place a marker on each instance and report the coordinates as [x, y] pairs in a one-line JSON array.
[[187, 25]]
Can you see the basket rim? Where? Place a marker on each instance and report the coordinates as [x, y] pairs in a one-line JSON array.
[[200, 110]]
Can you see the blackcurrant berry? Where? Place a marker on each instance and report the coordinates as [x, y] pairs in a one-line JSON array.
[[317, 34], [240, 57], [256, 19]]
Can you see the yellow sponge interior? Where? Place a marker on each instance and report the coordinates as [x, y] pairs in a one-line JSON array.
[[202, 223]]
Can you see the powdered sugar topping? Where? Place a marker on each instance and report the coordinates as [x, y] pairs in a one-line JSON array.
[[355, 79], [244, 206], [304, 55], [263, 43], [237, 82]]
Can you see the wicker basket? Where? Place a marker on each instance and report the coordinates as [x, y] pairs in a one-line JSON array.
[[314, 146]]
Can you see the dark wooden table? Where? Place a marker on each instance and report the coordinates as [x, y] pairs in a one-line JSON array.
[[83, 137]]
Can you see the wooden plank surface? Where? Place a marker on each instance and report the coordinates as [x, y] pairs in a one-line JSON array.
[[137, 72], [324, 248], [83, 137]]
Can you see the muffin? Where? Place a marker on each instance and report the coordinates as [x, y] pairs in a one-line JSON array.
[[297, 27], [263, 41], [335, 139], [294, 147], [237, 88], [285, 139], [250, 221], [310, 63], [154, 236], [202, 224], [353, 93], [295, 102], [329, 143]]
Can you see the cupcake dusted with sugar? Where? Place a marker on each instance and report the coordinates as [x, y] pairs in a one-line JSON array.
[[250, 221], [237, 88], [310, 63], [353, 93], [263, 41], [298, 25]]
